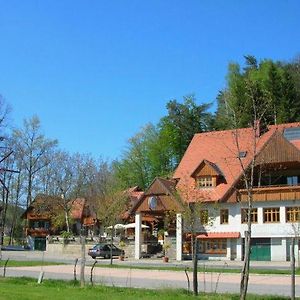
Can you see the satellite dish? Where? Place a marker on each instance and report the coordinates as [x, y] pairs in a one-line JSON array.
[[152, 202]]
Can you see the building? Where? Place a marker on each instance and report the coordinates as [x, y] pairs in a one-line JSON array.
[[211, 173], [45, 216]]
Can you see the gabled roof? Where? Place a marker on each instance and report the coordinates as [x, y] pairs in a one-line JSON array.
[[213, 168], [45, 205], [220, 149], [165, 192]]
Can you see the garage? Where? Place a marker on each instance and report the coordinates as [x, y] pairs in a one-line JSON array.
[[260, 249]]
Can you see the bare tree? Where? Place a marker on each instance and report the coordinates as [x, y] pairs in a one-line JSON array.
[[32, 150], [111, 205], [196, 218], [255, 95]]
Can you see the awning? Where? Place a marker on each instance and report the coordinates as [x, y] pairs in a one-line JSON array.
[[219, 235]]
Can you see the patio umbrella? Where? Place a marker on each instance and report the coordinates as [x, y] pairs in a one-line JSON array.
[[132, 225], [117, 226]]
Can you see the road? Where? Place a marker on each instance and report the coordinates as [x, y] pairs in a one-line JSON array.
[[153, 279]]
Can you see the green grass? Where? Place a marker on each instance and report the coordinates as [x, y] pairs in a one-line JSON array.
[[200, 269], [28, 289], [29, 263]]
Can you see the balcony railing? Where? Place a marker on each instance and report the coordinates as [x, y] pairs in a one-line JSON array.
[[37, 231], [272, 193]]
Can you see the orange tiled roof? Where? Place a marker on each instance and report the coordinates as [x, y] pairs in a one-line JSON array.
[[77, 208], [220, 148]]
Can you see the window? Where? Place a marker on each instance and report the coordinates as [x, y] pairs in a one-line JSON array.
[[205, 181], [213, 246], [242, 154], [272, 215], [244, 215], [292, 133], [224, 214], [204, 216], [292, 180], [292, 214]]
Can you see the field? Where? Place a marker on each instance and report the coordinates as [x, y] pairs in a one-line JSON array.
[[28, 289]]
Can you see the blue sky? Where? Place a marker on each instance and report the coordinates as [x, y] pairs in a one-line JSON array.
[[95, 72]]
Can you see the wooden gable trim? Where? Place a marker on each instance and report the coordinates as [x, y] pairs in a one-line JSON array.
[[206, 168], [165, 197], [270, 154]]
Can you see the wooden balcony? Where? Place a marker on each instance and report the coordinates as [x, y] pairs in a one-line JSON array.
[[272, 193], [42, 232]]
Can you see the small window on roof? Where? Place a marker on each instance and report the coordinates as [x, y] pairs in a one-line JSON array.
[[242, 154], [292, 133], [205, 181]]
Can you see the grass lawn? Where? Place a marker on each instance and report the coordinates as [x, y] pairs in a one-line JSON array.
[[28, 289], [29, 263]]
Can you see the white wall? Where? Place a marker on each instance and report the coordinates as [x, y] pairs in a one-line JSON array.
[[259, 229]]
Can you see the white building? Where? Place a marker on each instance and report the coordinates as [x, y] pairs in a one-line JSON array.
[[211, 172]]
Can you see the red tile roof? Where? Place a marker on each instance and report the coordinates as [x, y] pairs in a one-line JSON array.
[[77, 208], [220, 148]]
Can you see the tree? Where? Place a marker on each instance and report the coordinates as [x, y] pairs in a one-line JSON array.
[[32, 150], [155, 151], [196, 218], [144, 159], [111, 205], [258, 98], [182, 122], [275, 81]]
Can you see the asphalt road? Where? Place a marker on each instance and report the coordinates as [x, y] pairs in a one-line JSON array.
[[154, 279], [44, 256]]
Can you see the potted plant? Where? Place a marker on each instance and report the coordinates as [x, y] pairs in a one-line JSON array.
[[166, 247], [122, 245], [160, 234]]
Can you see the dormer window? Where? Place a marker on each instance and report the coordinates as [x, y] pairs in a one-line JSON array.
[[292, 133], [205, 181], [207, 175]]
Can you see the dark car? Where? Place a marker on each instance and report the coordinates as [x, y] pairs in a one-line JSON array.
[[104, 250]]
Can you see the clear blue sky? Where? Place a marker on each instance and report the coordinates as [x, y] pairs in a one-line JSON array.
[[95, 71]]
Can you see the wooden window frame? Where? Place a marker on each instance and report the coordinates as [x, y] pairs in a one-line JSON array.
[[271, 215], [244, 215], [224, 216], [205, 182], [213, 246], [292, 214]]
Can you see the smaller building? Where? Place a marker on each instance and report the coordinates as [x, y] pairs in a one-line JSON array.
[[46, 216]]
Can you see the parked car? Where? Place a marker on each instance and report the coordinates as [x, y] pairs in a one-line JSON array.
[[103, 250], [15, 248]]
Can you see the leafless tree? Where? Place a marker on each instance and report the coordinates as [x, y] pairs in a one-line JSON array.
[[196, 218], [255, 95], [32, 150]]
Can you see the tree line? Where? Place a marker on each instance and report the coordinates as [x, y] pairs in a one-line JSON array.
[[154, 151]]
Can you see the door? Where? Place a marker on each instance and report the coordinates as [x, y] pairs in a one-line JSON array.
[[261, 249], [40, 243]]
